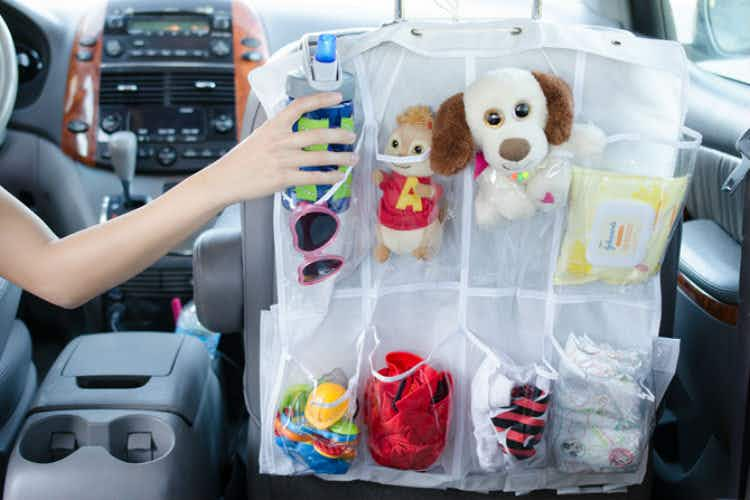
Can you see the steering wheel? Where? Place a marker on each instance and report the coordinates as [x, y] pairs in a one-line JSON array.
[[8, 77]]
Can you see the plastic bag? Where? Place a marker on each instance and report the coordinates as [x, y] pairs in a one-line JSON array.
[[509, 409], [603, 412], [408, 406], [618, 226], [314, 424]]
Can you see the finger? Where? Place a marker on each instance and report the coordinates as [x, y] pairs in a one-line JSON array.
[[319, 159], [321, 136], [303, 177], [305, 104]]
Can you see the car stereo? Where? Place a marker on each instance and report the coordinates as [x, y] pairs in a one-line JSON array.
[[168, 76]]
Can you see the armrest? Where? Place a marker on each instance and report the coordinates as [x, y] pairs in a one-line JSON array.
[[218, 279], [710, 258]]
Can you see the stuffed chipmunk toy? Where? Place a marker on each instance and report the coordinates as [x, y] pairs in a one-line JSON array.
[[513, 123], [409, 214]]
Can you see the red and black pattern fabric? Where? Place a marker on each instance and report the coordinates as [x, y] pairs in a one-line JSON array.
[[522, 423]]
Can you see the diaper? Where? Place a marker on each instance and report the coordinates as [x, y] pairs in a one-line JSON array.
[[618, 226], [602, 410]]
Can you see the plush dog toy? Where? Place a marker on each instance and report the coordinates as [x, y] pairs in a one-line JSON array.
[[516, 119], [409, 216]]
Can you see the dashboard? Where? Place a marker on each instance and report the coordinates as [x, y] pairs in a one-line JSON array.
[[176, 76]]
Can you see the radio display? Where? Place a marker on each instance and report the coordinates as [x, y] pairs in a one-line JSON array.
[[173, 23], [167, 121]]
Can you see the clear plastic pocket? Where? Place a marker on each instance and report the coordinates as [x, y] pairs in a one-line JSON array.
[[620, 219], [603, 412], [408, 408], [509, 409], [315, 424]]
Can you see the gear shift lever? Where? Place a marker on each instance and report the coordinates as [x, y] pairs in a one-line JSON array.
[[123, 147]]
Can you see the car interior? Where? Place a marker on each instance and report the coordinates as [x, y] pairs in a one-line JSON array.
[[105, 401]]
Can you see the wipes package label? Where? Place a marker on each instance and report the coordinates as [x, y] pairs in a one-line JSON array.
[[620, 233]]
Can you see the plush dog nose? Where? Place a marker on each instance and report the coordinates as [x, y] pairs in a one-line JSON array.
[[514, 149]]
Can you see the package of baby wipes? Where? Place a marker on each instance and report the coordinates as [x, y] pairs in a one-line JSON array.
[[618, 226]]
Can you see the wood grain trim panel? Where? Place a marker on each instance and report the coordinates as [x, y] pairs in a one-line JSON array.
[[82, 89], [245, 24], [721, 311]]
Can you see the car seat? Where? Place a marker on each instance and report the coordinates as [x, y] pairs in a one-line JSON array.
[[17, 372]]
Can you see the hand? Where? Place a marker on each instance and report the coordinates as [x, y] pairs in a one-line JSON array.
[[269, 159], [377, 177]]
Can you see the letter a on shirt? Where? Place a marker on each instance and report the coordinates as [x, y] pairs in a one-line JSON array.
[[408, 197]]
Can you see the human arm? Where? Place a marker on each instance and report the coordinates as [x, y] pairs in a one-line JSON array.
[[74, 269]]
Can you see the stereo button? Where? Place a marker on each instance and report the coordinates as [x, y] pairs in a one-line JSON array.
[[180, 52], [220, 48], [221, 23], [111, 123], [252, 56], [84, 55], [223, 124], [113, 48], [115, 22], [251, 42], [77, 126], [190, 153], [167, 156]]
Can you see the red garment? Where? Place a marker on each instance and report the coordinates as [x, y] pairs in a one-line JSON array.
[[408, 420], [401, 208]]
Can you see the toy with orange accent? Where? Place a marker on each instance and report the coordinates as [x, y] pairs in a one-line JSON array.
[[409, 215], [314, 426]]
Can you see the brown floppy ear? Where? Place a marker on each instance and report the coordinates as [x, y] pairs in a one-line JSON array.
[[559, 107], [452, 145]]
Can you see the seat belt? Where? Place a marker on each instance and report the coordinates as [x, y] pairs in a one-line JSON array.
[[739, 173]]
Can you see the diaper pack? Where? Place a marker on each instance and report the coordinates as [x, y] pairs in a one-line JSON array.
[[476, 305]]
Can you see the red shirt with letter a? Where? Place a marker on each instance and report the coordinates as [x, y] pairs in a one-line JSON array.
[[401, 208]]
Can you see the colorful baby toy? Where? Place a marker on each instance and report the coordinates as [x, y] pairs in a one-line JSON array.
[[408, 419], [313, 426], [409, 215]]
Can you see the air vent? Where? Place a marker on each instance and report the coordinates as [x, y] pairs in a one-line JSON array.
[[132, 88], [202, 88], [160, 283]]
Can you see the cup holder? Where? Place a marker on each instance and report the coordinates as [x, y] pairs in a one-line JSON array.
[[54, 438], [132, 438], [140, 438]]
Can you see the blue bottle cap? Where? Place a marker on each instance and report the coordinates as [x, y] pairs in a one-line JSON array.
[[325, 51]]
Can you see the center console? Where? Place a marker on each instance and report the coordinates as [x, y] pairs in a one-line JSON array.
[[168, 77], [175, 74], [132, 415]]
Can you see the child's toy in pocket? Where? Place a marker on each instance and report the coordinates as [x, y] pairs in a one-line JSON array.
[[519, 121], [314, 425], [408, 411], [409, 215], [618, 226], [509, 410]]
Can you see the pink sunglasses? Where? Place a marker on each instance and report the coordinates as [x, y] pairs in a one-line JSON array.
[[314, 227]]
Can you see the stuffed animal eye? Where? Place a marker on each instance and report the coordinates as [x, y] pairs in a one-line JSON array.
[[394, 143], [493, 118], [418, 149], [522, 110]]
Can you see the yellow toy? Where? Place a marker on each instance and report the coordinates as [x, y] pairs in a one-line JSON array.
[[319, 412]]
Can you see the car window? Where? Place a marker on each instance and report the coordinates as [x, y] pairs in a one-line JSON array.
[[715, 35]]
